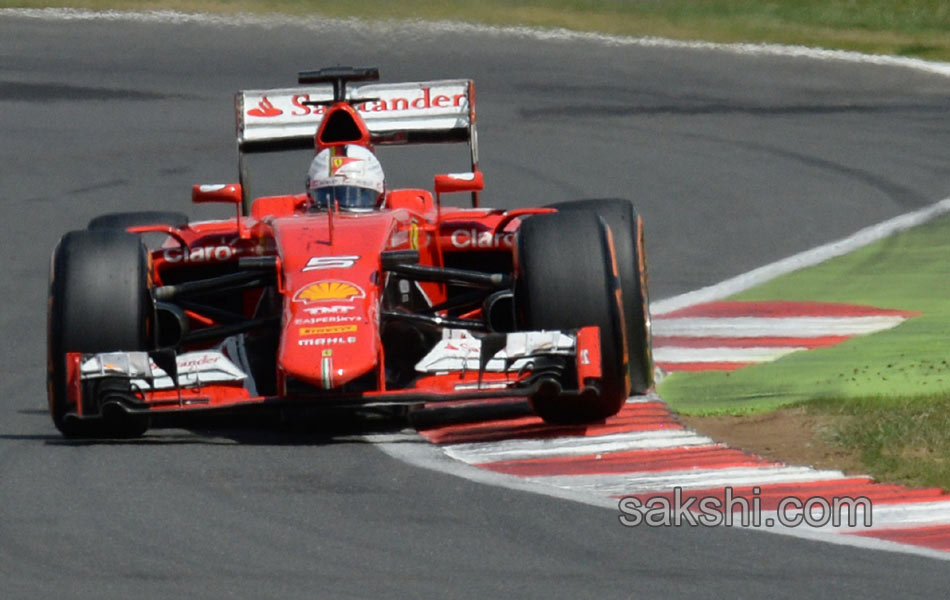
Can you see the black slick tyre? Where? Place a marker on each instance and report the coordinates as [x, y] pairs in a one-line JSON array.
[[99, 301], [626, 228], [565, 279]]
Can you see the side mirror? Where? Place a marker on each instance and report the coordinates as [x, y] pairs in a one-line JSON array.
[[459, 182], [229, 193]]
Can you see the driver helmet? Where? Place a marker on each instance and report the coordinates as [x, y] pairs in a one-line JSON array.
[[346, 176]]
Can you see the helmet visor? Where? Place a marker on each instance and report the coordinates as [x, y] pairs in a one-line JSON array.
[[345, 196]]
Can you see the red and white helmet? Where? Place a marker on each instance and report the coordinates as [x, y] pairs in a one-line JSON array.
[[346, 176]]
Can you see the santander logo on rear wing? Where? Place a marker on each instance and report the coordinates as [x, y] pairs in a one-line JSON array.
[[394, 113]]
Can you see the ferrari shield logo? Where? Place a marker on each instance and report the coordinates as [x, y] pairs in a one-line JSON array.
[[338, 162]]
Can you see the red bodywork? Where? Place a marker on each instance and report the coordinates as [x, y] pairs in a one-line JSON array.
[[331, 284], [326, 290]]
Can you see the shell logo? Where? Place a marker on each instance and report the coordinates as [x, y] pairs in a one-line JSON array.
[[327, 291]]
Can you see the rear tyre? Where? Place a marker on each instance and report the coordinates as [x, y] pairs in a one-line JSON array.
[[123, 220], [99, 301], [565, 279], [626, 228]]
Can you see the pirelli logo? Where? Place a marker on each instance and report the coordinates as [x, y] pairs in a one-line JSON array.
[[328, 330]]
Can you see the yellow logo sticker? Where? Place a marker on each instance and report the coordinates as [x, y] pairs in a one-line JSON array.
[[328, 291], [327, 329], [414, 236]]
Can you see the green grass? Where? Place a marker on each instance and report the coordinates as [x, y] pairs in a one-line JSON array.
[[908, 271], [901, 27], [885, 397], [897, 439]]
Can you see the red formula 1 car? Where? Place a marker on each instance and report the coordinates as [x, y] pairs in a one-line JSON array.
[[319, 300]]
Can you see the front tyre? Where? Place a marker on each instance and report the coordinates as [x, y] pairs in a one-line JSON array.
[[626, 228], [99, 301], [566, 279]]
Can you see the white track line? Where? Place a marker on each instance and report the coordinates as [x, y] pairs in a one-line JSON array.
[[671, 355], [808, 258], [317, 23], [803, 327], [487, 452], [687, 479], [911, 514], [410, 448]]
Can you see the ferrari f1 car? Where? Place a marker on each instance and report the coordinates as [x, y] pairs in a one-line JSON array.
[[293, 304]]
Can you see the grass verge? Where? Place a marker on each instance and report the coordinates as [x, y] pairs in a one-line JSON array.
[[907, 271], [900, 27], [896, 438], [883, 397]]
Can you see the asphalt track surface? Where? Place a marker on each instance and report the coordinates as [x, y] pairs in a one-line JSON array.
[[734, 161]]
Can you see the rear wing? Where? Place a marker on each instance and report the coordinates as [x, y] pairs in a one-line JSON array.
[[395, 113]]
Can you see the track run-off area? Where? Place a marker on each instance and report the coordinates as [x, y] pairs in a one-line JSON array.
[[736, 156], [645, 458]]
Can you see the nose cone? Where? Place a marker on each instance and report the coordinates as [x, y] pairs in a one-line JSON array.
[[329, 333], [331, 295]]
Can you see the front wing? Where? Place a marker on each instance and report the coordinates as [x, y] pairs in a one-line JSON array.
[[461, 366]]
